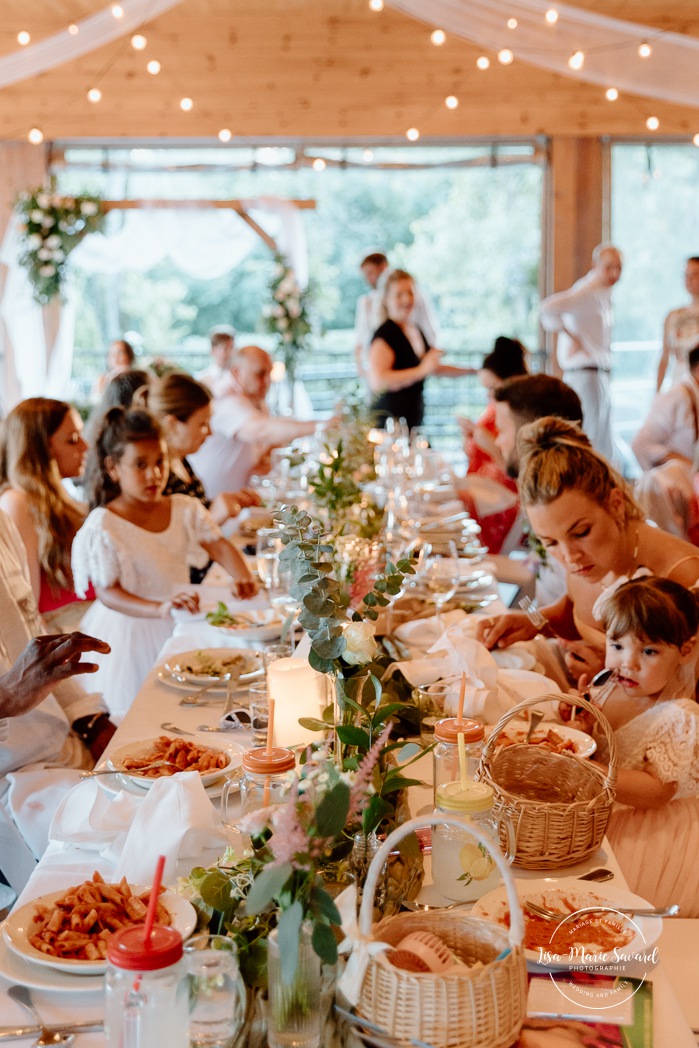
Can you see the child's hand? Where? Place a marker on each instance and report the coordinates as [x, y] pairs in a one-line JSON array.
[[186, 601], [245, 588]]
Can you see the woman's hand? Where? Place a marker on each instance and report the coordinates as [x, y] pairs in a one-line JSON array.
[[506, 629], [581, 658], [224, 506], [247, 497], [431, 360], [245, 587]]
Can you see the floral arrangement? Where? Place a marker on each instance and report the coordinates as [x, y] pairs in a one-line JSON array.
[[52, 225], [287, 316]]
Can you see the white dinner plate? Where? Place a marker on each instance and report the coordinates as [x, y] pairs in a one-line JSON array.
[[17, 970], [210, 666], [17, 927], [550, 892], [516, 731], [232, 750], [514, 658], [117, 783], [261, 625]]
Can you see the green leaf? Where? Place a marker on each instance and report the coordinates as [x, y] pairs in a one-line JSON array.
[[324, 943], [331, 813], [288, 934], [370, 600], [376, 810], [321, 665], [215, 890], [371, 614], [267, 885], [384, 712], [318, 605], [392, 783], [331, 648], [323, 903], [329, 715], [352, 736], [410, 750], [312, 724]]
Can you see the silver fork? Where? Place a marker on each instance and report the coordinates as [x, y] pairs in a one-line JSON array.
[[128, 771], [551, 915], [537, 619]]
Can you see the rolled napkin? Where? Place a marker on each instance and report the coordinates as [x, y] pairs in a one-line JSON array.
[[421, 634], [92, 818]]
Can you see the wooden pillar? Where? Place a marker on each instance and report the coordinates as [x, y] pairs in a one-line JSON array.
[[575, 215]]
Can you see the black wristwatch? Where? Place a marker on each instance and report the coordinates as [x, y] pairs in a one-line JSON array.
[[88, 728]]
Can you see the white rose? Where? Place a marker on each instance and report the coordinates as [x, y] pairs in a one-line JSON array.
[[34, 240], [89, 207], [44, 254], [47, 271], [47, 221], [361, 646], [53, 241], [36, 216], [43, 199]]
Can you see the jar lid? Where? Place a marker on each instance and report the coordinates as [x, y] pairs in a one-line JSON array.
[[474, 797], [126, 948], [260, 762], [449, 730]]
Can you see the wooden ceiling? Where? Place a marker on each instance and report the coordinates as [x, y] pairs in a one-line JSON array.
[[311, 69]]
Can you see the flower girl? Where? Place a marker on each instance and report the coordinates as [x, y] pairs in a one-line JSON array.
[[136, 547], [651, 625]]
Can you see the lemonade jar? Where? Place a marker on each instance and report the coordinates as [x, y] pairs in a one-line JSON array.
[[462, 869], [445, 755]]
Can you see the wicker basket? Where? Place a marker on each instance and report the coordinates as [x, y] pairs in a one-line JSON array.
[[460, 1008], [567, 821]]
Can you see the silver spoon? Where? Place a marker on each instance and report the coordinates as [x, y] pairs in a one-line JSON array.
[[535, 719], [597, 875], [21, 995], [128, 771], [174, 730]]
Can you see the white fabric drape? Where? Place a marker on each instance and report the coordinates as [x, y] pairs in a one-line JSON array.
[[202, 243], [610, 45], [92, 33]]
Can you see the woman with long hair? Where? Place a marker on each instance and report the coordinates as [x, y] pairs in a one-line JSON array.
[[41, 446]]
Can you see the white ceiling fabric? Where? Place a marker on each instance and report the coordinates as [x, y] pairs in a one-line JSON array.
[[610, 45]]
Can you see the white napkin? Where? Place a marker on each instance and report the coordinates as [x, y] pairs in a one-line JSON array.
[[175, 818], [420, 635]]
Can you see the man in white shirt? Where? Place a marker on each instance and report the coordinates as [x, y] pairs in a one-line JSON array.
[[242, 429], [582, 318], [218, 374], [664, 446], [375, 270]]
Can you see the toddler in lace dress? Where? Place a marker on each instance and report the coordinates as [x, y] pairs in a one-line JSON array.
[[136, 547], [651, 626]]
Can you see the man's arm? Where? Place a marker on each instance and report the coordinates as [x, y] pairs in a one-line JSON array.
[[45, 662], [553, 308], [273, 431], [669, 414]]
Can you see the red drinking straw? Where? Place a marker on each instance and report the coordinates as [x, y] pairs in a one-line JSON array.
[[153, 901]]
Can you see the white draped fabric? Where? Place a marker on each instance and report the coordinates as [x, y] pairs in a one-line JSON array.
[[92, 32], [610, 45], [202, 243]]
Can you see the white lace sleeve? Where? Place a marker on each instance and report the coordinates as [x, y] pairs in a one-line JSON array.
[[672, 748], [95, 555], [199, 523]]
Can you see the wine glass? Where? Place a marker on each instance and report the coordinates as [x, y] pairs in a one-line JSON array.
[[267, 547], [438, 569], [281, 598]]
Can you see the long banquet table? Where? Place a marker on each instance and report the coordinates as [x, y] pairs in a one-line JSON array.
[[64, 865]]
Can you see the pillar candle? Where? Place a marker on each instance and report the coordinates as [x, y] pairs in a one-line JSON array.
[[298, 691]]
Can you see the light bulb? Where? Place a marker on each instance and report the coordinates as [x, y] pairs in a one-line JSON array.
[[153, 67], [438, 37], [645, 50], [611, 94], [451, 102], [652, 123], [319, 164], [551, 16], [412, 134], [505, 57], [511, 23], [186, 104], [35, 136], [483, 62], [138, 42], [73, 29], [577, 60], [94, 94], [368, 156], [23, 38], [118, 11], [695, 140], [376, 5], [225, 135]]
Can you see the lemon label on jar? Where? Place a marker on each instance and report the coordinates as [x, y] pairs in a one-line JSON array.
[[475, 862]]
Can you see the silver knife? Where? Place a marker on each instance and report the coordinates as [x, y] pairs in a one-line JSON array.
[[9, 1033]]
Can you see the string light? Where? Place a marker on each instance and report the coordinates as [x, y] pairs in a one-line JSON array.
[[118, 11], [23, 38], [611, 94], [94, 94], [512, 23], [35, 136], [225, 135], [73, 29], [138, 42], [412, 134], [451, 102], [319, 164], [645, 50], [505, 57], [368, 156], [153, 67], [577, 60], [376, 5], [438, 37], [483, 62], [551, 16], [695, 140], [186, 104], [652, 123]]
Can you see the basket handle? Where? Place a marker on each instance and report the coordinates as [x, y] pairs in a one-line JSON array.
[[571, 700], [420, 822]]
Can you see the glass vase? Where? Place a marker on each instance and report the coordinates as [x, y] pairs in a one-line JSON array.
[[293, 1007]]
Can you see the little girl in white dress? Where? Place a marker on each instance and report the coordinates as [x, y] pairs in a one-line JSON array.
[[136, 548], [651, 625]]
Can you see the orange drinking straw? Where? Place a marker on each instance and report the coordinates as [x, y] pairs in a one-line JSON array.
[[462, 696], [153, 901]]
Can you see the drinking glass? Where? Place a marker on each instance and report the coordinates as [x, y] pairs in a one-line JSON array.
[[259, 712], [268, 546], [438, 569], [293, 1004], [216, 991], [281, 598], [432, 700]]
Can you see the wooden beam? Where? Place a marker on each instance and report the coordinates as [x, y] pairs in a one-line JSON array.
[[228, 205]]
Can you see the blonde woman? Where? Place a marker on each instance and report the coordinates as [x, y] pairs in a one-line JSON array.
[[41, 446]]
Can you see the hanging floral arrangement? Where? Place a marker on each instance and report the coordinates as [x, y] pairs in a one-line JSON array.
[[287, 316], [52, 225]]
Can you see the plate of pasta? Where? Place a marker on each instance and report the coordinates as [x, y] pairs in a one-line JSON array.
[[69, 930], [141, 763], [551, 736]]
